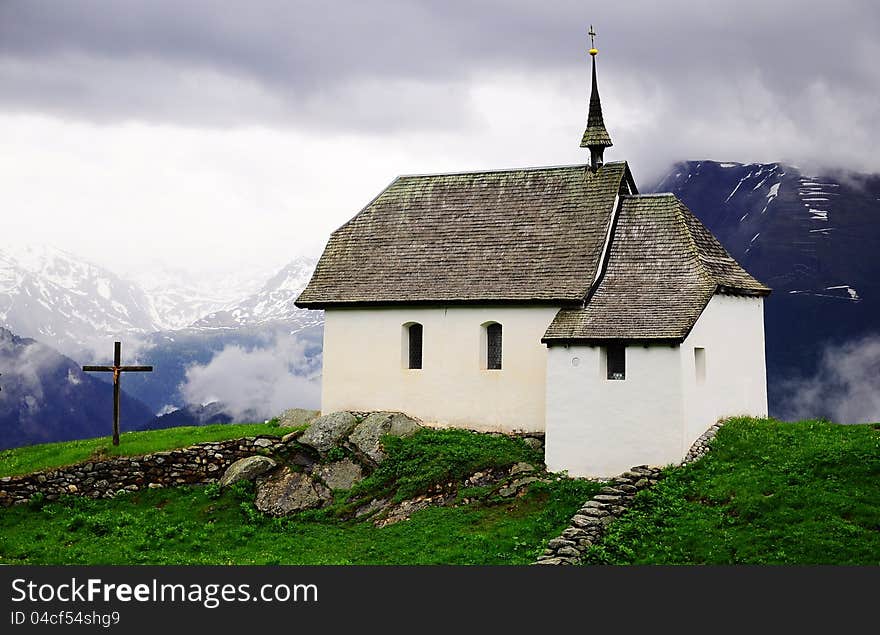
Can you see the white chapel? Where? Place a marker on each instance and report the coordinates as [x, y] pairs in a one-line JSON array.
[[553, 299]]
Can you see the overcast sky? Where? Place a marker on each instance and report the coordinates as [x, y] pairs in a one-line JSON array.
[[211, 135]]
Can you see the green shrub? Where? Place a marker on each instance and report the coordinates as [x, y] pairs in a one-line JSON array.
[[242, 490], [37, 501], [335, 454]]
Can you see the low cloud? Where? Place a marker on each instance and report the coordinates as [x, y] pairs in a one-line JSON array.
[[845, 388], [258, 382], [98, 349], [27, 366]]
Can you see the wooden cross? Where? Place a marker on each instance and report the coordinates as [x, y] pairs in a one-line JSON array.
[[116, 369], [592, 35]]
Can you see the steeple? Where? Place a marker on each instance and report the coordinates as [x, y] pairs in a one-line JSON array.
[[596, 138]]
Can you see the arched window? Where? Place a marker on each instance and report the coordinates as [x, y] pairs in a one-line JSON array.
[[491, 344], [412, 342]]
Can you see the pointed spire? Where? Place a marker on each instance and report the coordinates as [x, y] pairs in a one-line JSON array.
[[596, 137]]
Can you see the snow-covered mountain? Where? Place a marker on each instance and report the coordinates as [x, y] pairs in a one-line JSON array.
[[67, 302], [182, 297], [74, 305], [79, 308], [271, 305]]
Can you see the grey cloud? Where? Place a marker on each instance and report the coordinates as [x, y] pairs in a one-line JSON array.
[[799, 78], [31, 365], [265, 381]]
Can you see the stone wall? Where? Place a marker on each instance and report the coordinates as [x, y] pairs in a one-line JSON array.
[[702, 445], [197, 464]]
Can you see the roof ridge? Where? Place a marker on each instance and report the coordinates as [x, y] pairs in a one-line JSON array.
[[650, 195], [500, 170]]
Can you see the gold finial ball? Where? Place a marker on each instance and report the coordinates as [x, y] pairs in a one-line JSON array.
[[593, 51]]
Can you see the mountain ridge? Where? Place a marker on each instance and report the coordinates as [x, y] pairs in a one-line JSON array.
[[56, 296]]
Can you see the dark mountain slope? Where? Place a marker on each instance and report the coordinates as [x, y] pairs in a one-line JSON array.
[[814, 240], [46, 397]]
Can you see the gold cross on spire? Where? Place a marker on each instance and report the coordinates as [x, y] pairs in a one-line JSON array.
[[592, 34]]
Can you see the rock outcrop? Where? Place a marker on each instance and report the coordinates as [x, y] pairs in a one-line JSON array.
[[286, 491], [297, 472]]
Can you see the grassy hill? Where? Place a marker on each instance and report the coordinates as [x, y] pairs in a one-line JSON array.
[[769, 492], [204, 525]]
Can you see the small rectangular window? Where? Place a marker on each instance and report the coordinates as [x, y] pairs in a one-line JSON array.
[[415, 346], [615, 361], [700, 364]]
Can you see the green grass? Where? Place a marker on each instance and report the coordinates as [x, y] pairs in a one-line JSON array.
[[187, 525], [768, 493], [207, 525], [50, 455], [434, 457]]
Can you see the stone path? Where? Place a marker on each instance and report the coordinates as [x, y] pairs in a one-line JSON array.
[[590, 521]]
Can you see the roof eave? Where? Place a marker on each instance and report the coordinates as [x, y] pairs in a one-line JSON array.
[[440, 302], [605, 341], [752, 293]]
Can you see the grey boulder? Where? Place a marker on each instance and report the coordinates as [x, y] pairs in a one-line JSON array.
[[296, 417], [327, 431], [286, 491], [367, 436], [340, 474], [246, 469]]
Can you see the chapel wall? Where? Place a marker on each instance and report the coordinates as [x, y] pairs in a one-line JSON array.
[[600, 427], [365, 366], [731, 332]]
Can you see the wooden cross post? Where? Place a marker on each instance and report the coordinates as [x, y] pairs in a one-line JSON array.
[[116, 369]]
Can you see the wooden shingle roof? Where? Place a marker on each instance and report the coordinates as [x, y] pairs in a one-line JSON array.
[[663, 268], [533, 235]]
